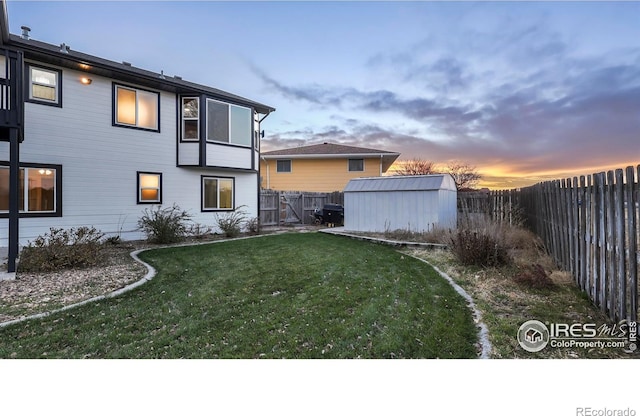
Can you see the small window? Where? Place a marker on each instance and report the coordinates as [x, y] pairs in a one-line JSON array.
[[228, 123], [44, 85], [356, 165], [149, 188], [39, 193], [283, 166], [136, 108], [190, 119], [217, 193]]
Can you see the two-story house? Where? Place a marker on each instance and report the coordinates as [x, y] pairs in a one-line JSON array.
[[95, 142], [325, 167]]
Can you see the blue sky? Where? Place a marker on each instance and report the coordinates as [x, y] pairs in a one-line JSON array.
[[523, 91]]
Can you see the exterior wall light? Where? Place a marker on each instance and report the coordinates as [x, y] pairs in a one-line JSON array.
[[86, 81]]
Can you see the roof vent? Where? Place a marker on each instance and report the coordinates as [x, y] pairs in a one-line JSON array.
[[25, 32], [64, 48], [177, 77], [162, 74], [126, 63]]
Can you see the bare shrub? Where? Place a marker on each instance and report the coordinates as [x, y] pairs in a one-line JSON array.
[[253, 225], [165, 225], [199, 231], [534, 276], [230, 223], [63, 249], [479, 248]]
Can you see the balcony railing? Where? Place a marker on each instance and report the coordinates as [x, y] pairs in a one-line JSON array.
[[11, 91]]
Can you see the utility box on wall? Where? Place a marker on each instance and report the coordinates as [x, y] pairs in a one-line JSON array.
[[412, 203]]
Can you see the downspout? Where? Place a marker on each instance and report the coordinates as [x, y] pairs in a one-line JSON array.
[[267, 165]]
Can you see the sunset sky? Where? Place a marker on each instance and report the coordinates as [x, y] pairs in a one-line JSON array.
[[523, 91]]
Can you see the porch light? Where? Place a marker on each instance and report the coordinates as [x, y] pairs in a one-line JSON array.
[[86, 80]]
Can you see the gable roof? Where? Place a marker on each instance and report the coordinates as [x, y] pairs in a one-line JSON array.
[[64, 56], [333, 151], [402, 183]]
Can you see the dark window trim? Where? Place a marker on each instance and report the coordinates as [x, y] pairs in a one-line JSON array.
[[228, 104], [181, 120], [27, 92], [114, 123], [58, 212], [138, 200], [284, 171], [233, 190], [349, 165]]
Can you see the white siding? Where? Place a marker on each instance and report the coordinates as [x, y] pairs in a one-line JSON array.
[[99, 162], [189, 153], [388, 204], [230, 156]]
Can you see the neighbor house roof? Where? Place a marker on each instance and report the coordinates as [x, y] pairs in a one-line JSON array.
[[332, 151]]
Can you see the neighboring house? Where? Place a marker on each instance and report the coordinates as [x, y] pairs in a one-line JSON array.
[[323, 167], [100, 141]]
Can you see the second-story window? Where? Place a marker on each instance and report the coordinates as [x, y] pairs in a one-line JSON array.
[[283, 166], [136, 108], [190, 119], [44, 85], [228, 123], [356, 165]]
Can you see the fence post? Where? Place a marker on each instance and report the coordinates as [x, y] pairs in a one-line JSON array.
[[632, 235]]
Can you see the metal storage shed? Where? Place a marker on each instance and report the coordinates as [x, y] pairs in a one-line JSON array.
[[413, 203]]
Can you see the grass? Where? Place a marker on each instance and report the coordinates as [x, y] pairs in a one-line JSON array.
[[302, 295], [505, 304]]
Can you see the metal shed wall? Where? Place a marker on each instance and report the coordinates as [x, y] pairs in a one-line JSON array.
[[415, 203]]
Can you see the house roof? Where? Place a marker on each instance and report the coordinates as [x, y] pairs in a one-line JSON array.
[[64, 56], [332, 151], [402, 183]]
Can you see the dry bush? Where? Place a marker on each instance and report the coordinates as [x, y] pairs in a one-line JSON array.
[[63, 249], [479, 248], [534, 276]]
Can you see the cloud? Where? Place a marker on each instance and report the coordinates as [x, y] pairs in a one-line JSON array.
[[530, 109]]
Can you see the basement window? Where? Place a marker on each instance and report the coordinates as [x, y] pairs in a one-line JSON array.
[[149, 188], [40, 190], [217, 193]]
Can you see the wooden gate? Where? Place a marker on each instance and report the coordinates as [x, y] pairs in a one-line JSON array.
[[279, 208]]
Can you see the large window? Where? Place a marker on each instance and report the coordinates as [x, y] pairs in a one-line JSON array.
[[44, 85], [217, 193], [149, 188], [356, 165], [228, 123], [283, 166], [136, 108], [39, 193], [190, 119]]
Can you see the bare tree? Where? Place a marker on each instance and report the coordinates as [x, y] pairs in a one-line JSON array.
[[464, 175], [415, 167]]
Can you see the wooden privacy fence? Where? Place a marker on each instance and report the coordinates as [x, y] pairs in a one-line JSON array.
[[590, 226], [282, 208]]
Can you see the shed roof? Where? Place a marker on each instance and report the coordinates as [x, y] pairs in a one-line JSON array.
[[401, 183]]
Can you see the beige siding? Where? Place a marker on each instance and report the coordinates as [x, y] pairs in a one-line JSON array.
[[314, 175]]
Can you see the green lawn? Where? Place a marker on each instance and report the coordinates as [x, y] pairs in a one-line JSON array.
[[296, 295]]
